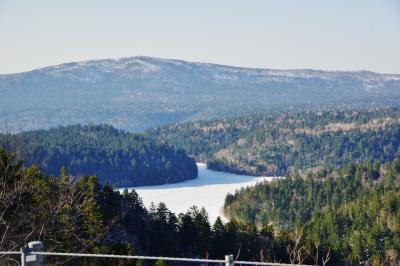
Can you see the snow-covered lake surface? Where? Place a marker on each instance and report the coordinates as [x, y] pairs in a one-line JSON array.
[[208, 191]]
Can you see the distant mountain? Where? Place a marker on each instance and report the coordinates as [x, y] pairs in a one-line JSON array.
[[140, 92]]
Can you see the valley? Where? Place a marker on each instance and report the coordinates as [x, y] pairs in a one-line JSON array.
[[200, 133]]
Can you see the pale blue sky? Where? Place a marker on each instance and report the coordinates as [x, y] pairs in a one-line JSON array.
[[339, 34]]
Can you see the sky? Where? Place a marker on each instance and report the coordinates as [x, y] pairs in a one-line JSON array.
[[329, 35]]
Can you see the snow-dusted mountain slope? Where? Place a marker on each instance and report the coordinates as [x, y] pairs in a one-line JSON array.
[[136, 93]]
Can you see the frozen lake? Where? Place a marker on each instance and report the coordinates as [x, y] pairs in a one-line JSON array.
[[208, 191]]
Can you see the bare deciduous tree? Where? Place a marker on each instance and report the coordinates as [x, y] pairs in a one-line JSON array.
[[327, 257], [296, 251]]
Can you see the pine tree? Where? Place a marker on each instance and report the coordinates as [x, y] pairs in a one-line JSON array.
[[218, 241]]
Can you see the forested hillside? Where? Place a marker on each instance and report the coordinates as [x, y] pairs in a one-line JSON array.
[[115, 156], [279, 144], [352, 213]]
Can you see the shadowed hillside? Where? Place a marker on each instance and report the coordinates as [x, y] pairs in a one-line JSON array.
[[115, 156]]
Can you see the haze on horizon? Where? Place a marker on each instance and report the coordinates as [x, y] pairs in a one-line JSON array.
[[335, 35]]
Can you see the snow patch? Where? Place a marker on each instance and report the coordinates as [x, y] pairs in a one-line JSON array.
[[208, 190]]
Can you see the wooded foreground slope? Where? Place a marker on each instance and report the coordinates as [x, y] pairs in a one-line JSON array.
[[71, 214], [352, 213]]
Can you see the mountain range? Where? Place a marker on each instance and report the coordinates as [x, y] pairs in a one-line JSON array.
[[136, 93]]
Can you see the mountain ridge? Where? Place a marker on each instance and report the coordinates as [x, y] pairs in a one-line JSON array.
[[137, 93], [171, 60]]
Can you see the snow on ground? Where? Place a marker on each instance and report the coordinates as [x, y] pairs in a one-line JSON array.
[[208, 191]]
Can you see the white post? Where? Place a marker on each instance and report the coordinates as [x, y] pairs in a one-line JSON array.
[[23, 257], [228, 260]]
